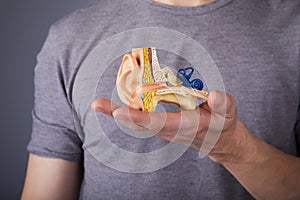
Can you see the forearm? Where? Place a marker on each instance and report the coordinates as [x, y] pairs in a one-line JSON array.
[[266, 172]]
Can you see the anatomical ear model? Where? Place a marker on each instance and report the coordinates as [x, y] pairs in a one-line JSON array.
[[141, 83]]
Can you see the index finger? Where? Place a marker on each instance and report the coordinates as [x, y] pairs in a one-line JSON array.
[[167, 121]]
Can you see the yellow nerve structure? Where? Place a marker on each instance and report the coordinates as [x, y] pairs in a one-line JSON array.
[[141, 83]]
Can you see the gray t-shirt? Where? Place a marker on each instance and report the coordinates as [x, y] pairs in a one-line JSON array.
[[255, 45]]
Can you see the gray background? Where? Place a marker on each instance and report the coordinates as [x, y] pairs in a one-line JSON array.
[[24, 25]]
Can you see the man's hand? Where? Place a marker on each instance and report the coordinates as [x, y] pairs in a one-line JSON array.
[[186, 127], [266, 172]]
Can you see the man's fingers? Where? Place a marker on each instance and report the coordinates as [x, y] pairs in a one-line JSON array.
[[105, 106], [150, 121], [222, 104], [108, 107], [166, 122]]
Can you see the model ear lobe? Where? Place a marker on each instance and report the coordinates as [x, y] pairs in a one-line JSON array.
[[129, 79]]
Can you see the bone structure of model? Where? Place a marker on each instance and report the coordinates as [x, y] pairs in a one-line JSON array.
[[141, 83]]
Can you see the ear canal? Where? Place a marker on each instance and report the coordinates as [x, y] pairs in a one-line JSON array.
[[141, 83], [139, 56], [129, 79]]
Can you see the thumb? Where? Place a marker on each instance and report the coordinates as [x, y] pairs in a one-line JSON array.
[[222, 104]]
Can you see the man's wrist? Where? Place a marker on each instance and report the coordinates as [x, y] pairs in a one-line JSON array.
[[234, 146]]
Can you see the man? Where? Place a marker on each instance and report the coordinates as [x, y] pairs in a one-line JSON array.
[[255, 45]]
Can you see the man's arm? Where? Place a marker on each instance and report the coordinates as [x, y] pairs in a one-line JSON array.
[[266, 172], [49, 178]]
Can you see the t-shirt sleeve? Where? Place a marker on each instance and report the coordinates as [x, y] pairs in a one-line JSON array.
[[53, 130]]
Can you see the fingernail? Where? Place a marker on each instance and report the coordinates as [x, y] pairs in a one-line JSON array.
[[94, 106], [97, 108], [217, 98], [118, 114]]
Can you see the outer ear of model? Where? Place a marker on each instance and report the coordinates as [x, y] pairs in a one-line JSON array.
[[141, 83]]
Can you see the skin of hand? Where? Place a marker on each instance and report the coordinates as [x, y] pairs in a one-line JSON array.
[[184, 3], [266, 172], [179, 124]]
